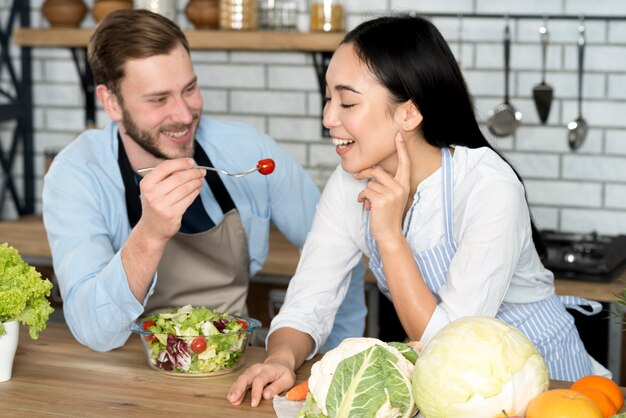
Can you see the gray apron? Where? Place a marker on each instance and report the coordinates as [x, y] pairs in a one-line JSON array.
[[546, 323], [205, 269], [208, 268]]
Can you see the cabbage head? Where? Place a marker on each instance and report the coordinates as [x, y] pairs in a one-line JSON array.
[[477, 367], [362, 377]]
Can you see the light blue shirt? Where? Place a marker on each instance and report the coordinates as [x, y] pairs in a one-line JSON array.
[[84, 213]]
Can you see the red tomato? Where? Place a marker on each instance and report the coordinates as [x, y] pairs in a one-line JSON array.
[[198, 345], [150, 338], [243, 324], [266, 166]]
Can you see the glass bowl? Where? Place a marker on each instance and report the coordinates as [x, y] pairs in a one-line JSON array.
[[178, 347]]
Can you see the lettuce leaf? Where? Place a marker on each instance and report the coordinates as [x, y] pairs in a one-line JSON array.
[[23, 293]]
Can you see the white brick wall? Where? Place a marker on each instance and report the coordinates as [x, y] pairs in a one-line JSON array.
[[278, 93]]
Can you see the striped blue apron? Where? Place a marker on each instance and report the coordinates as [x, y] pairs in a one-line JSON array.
[[546, 323]]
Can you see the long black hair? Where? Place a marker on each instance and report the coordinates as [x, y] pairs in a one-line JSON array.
[[410, 57]]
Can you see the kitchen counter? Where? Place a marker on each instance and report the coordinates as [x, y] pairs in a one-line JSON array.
[[56, 375], [29, 237]]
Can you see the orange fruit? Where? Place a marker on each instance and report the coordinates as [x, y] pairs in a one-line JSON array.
[[604, 384], [562, 403], [606, 405]]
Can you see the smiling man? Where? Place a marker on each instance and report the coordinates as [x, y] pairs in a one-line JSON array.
[[126, 244]]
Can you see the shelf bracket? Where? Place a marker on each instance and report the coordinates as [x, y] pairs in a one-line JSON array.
[[79, 55], [320, 62], [17, 105]]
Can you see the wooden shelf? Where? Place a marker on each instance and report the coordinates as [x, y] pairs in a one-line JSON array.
[[198, 39]]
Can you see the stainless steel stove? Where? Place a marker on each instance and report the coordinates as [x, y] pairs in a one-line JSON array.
[[590, 256]]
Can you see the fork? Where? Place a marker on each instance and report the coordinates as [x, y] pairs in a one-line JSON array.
[[240, 174]]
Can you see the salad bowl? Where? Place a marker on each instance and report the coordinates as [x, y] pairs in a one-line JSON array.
[[195, 341]]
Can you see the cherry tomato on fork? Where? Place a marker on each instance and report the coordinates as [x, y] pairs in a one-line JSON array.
[[266, 166]]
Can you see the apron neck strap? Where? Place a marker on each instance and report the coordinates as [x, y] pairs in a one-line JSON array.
[[131, 185]]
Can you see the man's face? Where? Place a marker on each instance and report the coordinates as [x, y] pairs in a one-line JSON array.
[[161, 104]]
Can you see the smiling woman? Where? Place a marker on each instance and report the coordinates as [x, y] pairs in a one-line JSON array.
[[440, 214]]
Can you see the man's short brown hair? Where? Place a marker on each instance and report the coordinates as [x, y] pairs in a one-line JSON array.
[[130, 34]]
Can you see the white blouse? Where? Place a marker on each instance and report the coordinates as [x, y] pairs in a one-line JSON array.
[[495, 261]]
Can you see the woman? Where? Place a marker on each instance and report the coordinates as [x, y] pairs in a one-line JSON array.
[[442, 217]]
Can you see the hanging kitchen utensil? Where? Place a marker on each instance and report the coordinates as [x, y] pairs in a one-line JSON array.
[[577, 129], [542, 92], [504, 119]]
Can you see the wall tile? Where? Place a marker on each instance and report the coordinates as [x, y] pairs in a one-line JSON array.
[[296, 129], [269, 103], [224, 75], [532, 165], [564, 193], [616, 142], [607, 222], [615, 196], [594, 168], [292, 77], [545, 217]]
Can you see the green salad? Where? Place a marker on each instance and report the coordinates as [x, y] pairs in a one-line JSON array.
[[194, 340]]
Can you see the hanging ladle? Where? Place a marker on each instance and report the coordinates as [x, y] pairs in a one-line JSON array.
[[504, 119], [542, 92], [577, 129]]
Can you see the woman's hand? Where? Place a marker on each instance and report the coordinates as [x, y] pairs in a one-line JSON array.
[[386, 196], [287, 349], [264, 379]]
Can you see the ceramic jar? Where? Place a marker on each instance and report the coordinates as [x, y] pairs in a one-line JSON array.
[[8, 347], [204, 14], [101, 8], [64, 13]]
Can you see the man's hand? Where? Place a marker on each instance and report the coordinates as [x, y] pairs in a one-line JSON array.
[[166, 193]]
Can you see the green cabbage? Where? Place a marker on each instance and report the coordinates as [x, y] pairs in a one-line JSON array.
[[477, 367], [362, 377], [23, 293]]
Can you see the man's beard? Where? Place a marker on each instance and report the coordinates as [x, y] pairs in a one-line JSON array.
[[151, 144]]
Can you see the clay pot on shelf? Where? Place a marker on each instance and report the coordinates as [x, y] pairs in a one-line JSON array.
[[204, 14], [101, 8], [64, 13]]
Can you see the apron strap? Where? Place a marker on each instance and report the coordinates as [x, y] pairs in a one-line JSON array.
[[131, 192], [447, 186], [576, 303], [131, 187], [213, 179]]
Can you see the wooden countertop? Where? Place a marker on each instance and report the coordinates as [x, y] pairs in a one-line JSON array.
[[55, 375], [29, 237], [198, 39]]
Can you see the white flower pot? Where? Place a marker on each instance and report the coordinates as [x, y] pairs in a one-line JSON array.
[[8, 346]]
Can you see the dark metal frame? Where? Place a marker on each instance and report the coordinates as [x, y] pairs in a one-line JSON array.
[[20, 109]]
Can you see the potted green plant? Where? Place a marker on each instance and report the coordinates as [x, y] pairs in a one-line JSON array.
[[23, 299]]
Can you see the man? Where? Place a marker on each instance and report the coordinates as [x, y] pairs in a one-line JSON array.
[[124, 246]]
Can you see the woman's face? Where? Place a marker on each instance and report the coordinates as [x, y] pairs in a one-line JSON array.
[[359, 114]]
